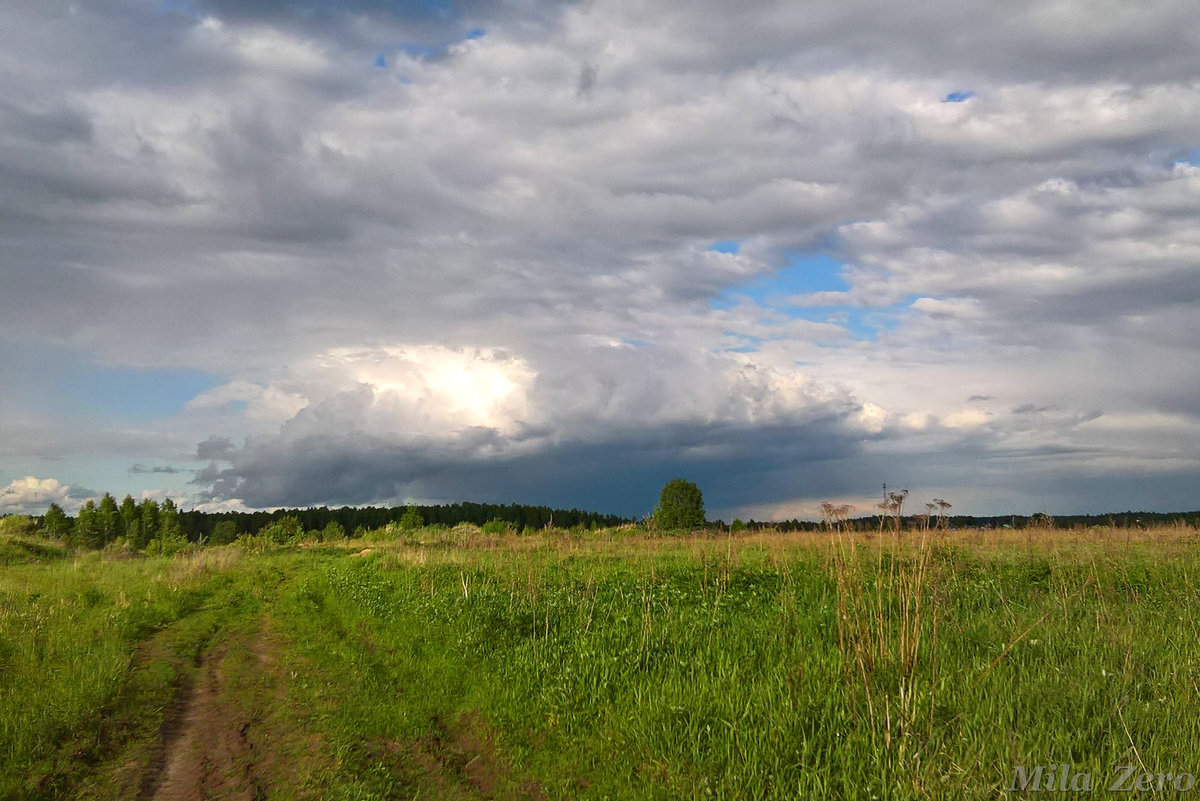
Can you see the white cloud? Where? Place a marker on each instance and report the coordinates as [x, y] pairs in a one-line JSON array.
[[462, 257], [32, 495]]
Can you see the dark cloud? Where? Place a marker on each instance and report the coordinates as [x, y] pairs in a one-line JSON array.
[[1071, 41], [215, 448], [52, 126], [141, 469], [587, 80], [449, 275], [621, 474]]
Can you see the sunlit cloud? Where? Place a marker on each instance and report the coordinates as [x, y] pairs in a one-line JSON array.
[[560, 252]]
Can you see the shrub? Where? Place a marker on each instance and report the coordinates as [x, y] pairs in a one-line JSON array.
[[411, 519], [225, 532], [285, 529], [496, 526], [167, 545]]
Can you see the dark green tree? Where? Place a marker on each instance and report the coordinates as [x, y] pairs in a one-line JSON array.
[[680, 505], [129, 519], [224, 533], [285, 529], [169, 539], [107, 519], [168, 521], [55, 522], [147, 526], [411, 519], [86, 533]]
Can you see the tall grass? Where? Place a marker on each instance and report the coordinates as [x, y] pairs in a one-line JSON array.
[[613, 664], [761, 667], [888, 637]]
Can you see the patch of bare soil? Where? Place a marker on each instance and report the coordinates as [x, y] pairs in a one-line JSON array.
[[219, 743], [207, 754]]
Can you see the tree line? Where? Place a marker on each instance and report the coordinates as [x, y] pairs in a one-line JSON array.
[[153, 526], [1128, 519], [149, 524], [99, 523]]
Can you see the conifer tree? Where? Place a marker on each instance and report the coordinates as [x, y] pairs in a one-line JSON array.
[[168, 521], [107, 518], [148, 525], [129, 519], [86, 534]]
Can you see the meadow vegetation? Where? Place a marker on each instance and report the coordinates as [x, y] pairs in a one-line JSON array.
[[435, 662]]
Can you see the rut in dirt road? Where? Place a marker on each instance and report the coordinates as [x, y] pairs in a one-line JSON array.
[[208, 750]]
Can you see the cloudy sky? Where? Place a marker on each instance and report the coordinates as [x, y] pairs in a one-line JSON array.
[[270, 253]]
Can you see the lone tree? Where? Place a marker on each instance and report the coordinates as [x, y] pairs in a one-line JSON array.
[[681, 505]]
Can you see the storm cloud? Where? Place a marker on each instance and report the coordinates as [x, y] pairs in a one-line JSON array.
[[560, 253]]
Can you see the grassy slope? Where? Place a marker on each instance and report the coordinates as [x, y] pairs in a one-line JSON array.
[[619, 667]]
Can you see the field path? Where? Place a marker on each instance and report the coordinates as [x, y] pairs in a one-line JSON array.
[[209, 750]]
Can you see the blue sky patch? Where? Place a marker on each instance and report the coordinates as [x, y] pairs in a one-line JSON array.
[[1192, 158], [806, 273], [727, 246], [133, 393], [803, 273], [812, 272], [426, 51], [67, 381], [420, 51], [958, 97]]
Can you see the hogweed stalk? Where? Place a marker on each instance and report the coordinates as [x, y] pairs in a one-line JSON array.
[[888, 637]]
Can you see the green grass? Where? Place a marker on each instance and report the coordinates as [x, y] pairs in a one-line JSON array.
[[16, 549], [608, 665], [91, 653]]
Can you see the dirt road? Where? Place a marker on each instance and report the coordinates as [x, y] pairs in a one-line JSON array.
[[216, 742]]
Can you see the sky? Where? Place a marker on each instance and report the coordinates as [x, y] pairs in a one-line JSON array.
[[282, 254]]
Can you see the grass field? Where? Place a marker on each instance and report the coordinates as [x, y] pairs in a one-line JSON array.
[[459, 665]]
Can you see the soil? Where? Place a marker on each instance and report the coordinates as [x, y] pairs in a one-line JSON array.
[[208, 755], [219, 740], [211, 747]]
